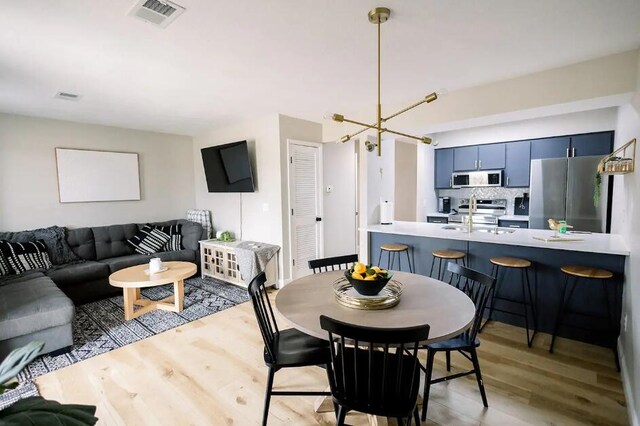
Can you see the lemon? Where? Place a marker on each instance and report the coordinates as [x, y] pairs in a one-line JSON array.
[[359, 268], [356, 275], [371, 277], [375, 268]]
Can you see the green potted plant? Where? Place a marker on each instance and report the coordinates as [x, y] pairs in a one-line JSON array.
[[36, 410]]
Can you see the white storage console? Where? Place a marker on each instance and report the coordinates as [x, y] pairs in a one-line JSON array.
[[218, 260]]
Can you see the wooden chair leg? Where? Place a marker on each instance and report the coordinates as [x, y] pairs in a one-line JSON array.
[[267, 398], [427, 384], [476, 367]]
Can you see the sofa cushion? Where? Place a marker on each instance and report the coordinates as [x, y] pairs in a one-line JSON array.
[[121, 262], [20, 278], [149, 240], [53, 237], [192, 233], [17, 258], [82, 243], [78, 273], [111, 241], [179, 255], [31, 305]]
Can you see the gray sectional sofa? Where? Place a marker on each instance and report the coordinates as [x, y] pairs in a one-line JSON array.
[[39, 305]]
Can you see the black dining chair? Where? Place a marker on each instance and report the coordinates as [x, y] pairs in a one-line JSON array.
[[284, 348], [478, 287], [332, 263], [374, 370]]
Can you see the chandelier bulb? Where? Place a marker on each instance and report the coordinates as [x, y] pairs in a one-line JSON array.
[[442, 92]]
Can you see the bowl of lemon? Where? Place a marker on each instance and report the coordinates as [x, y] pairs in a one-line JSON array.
[[367, 280]]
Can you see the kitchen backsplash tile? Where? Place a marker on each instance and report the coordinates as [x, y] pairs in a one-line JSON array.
[[492, 193]]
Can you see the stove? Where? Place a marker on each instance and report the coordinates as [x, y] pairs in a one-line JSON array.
[[487, 212]]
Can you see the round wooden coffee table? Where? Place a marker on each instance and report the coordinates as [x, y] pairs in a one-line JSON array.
[[132, 279]]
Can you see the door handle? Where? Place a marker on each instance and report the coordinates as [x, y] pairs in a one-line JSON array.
[[318, 219], [480, 164], [573, 152], [450, 182], [475, 164], [568, 152], [507, 180]]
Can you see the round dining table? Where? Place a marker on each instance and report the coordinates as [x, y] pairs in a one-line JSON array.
[[447, 310]]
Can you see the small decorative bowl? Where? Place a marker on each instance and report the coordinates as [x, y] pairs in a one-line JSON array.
[[368, 288]]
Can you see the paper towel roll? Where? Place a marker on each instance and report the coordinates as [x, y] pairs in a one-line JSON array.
[[386, 213]]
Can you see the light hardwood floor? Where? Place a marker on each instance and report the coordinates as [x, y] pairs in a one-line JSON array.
[[210, 372]]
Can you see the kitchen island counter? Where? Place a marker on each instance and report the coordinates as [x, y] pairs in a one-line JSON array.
[[605, 251], [592, 243]]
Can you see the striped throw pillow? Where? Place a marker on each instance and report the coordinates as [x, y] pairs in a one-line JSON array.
[[148, 240], [175, 237], [16, 258]]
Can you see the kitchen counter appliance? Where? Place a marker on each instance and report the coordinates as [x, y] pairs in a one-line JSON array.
[[487, 213]]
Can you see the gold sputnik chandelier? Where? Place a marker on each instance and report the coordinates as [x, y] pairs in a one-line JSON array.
[[378, 16]]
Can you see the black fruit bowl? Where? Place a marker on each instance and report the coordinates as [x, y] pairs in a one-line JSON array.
[[368, 288]]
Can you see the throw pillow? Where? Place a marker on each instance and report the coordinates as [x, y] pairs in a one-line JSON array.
[[22, 257], [175, 237], [54, 238], [148, 240]]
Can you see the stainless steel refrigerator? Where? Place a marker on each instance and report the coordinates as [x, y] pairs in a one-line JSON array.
[[563, 189]]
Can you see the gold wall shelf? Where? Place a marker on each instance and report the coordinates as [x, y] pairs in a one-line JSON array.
[[619, 162]]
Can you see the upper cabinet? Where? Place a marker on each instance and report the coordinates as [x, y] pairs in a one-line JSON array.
[[592, 144], [465, 158], [492, 157], [479, 157], [550, 148], [443, 168], [518, 163]]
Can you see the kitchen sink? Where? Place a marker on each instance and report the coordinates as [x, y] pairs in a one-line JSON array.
[[492, 230]]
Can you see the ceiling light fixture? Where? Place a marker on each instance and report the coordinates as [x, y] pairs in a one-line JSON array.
[[378, 16]]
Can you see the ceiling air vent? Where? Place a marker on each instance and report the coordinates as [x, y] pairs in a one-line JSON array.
[[157, 12], [67, 96]]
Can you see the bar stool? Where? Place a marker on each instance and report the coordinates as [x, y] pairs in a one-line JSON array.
[[445, 255], [586, 274], [523, 265], [393, 251]]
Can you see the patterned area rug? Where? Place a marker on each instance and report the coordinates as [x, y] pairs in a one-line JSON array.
[[100, 327]]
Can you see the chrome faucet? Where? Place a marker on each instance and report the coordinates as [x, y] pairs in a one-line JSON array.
[[473, 206]]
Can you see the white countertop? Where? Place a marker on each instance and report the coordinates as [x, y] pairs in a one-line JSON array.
[[436, 214], [592, 243], [514, 217]]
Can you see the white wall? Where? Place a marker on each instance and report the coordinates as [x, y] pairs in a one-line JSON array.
[[380, 178], [598, 83], [251, 216], [28, 178], [558, 125], [261, 215], [626, 221], [340, 205], [406, 180]]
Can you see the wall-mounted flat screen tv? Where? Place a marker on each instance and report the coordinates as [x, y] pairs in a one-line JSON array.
[[227, 168]]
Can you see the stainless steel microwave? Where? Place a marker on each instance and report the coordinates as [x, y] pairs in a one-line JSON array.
[[475, 179]]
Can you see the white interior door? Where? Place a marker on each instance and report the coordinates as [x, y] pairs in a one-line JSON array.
[[305, 191]]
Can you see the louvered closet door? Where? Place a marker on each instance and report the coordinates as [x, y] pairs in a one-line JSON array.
[[306, 212]]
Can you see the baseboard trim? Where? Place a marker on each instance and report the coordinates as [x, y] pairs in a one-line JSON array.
[[627, 386]]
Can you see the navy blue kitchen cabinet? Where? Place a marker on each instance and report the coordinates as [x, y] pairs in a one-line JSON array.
[[443, 168], [465, 158], [550, 148], [491, 157], [592, 144], [518, 164]]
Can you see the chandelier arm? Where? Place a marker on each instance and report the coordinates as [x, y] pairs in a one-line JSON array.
[[406, 135], [349, 136], [410, 107]]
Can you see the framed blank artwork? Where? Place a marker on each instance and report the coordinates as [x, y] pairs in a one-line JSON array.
[[87, 176]]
